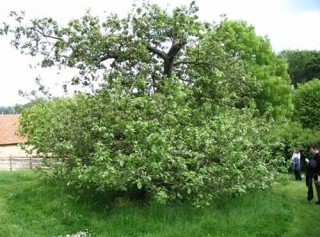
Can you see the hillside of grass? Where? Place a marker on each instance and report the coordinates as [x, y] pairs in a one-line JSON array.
[[30, 207]]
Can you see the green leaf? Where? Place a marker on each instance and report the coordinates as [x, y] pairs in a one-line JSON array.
[[121, 162], [139, 185]]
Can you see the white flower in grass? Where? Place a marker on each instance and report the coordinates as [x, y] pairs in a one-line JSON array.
[[78, 234]]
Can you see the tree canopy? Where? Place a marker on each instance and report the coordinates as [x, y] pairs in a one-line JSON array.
[[150, 44], [304, 65]]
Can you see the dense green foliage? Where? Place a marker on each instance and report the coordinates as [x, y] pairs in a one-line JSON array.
[[267, 73], [291, 134], [303, 68], [306, 101], [184, 109], [165, 146], [304, 65]]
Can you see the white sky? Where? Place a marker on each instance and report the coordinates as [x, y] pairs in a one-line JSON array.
[[289, 24]]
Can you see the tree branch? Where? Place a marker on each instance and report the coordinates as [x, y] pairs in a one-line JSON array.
[[177, 44], [193, 62], [48, 36], [158, 52], [109, 55]]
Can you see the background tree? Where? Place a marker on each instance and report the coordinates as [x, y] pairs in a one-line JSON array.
[[37, 100], [306, 102], [304, 65], [267, 74], [8, 110], [292, 134]]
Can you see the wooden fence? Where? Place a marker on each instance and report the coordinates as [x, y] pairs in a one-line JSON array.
[[20, 163]]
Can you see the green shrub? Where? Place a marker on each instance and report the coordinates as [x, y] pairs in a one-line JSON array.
[[306, 102], [163, 146]]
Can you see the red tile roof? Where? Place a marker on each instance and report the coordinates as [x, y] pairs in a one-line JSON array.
[[8, 126]]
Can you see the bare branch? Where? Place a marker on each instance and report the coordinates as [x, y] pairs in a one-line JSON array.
[[192, 62], [49, 36]]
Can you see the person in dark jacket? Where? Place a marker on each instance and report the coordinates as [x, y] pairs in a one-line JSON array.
[[315, 166], [309, 175]]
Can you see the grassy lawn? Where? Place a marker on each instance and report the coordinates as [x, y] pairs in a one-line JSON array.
[[29, 207]]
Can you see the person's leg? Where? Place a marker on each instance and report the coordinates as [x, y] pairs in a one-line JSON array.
[[295, 174], [299, 175], [318, 193], [310, 188]]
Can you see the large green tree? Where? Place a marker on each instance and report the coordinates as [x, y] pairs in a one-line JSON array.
[[175, 115], [304, 65]]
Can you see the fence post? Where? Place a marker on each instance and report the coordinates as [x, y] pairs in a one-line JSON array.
[[31, 162], [10, 163]]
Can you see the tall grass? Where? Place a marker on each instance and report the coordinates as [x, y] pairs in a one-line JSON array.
[[32, 207], [305, 214]]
